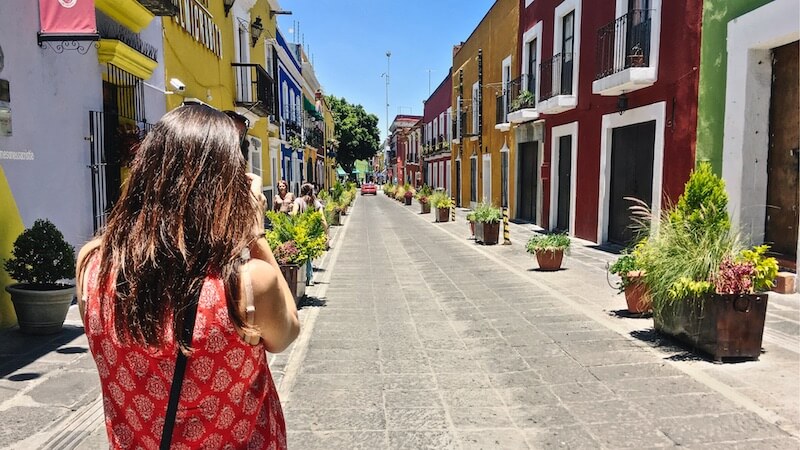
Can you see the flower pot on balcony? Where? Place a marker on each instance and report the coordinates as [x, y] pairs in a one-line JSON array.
[[725, 326], [636, 60]]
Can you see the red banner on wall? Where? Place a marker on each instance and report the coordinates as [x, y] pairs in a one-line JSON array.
[[73, 18]]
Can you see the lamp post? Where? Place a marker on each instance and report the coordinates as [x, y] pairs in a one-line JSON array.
[[386, 76]]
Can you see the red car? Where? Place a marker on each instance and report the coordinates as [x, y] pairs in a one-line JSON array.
[[369, 188]]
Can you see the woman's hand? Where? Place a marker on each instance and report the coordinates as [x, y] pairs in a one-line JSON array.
[[259, 199]]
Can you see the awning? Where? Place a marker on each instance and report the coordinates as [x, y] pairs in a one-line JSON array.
[[356, 172], [311, 109], [340, 172]]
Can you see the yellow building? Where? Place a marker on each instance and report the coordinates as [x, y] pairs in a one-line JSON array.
[[329, 161], [483, 68], [223, 57]]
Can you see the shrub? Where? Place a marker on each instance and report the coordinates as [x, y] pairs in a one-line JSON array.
[[486, 213], [622, 266], [422, 199], [306, 230], [41, 256], [765, 269], [287, 253], [548, 243], [441, 200]]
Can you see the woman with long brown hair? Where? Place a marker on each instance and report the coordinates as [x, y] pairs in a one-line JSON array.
[[182, 272]]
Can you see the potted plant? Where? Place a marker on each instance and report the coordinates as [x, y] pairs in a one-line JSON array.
[[636, 57], [549, 249], [442, 203], [631, 283], [471, 220], [706, 288], [407, 196], [487, 223], [40, 258], [400, 193], [306, 233], [525, 99], [423, 197]]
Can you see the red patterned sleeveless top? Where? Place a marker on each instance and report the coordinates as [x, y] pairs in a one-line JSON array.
[[228, 399]]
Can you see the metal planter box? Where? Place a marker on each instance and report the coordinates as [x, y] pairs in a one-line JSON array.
[[487, 233], [296, 279], [724, 326]]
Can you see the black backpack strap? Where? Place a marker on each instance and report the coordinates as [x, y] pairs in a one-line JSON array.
[[177, 378]]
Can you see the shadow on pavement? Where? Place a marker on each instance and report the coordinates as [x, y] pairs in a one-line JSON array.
[[312, 302], [625, 314], [17, 349], [677, 350]]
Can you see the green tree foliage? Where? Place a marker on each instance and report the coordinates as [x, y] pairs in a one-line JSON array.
[[41, 256], [356, 131], [704, 202]]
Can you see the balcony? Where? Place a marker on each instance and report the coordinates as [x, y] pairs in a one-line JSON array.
[[557, 84], [623, 55], [161, 7], [293, 129], [255, 89], [522, 99], [314, 138]]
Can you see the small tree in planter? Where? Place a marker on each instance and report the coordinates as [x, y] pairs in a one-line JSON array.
[[549, 249], [40, 258], [631, 283], [487, 223], [705, 288]]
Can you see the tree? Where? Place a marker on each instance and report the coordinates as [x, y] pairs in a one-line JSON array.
[[356, 131]]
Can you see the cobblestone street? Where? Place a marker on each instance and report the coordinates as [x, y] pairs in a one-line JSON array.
[[420, 341]]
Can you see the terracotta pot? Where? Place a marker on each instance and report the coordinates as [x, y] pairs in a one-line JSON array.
[[549, 260], [636, 294]]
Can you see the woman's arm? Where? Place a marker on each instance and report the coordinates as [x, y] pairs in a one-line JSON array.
[[80, 271]]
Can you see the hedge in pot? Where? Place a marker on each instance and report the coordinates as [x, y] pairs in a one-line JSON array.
[[487, 223], [705, 287], [549, 249], [307, 233], [631, 282], [40, 258]]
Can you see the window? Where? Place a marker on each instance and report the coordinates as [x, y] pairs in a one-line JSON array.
[[533, 58], [459, 131], [255, 155], [475, 108], [473, 178], [284, 104], [447, 129], [567, 47]]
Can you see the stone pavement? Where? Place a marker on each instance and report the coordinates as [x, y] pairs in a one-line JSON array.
[[425, 340], [415, 337]]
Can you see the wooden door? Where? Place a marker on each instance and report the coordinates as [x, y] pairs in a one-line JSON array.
[[527, 181], [782, 161], [631, 176], [564, 181]]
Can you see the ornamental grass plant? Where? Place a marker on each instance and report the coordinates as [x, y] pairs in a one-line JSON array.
[[548, 242], [486, 213]]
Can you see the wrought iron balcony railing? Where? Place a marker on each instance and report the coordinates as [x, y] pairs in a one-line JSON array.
[[255, 89], [293, 128], [624, 43], [557, 75]]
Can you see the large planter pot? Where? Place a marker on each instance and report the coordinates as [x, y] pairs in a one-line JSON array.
[[337, 218], [549, 260], [296, 279], [724, 326], [41, 311], [407, 200], [487, 233], [442, 214], [426, 207], [637, 295]]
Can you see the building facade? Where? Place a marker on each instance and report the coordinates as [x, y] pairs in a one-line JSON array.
[[290, 105], [437, 136], [482, 69], [400, 134], [609, 111], [749, 113]]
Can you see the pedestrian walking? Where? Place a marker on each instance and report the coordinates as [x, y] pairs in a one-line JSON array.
[[283, 200], [308, 200], [181, 296]]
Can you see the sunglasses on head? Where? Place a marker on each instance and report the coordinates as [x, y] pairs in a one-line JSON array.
[[242, 124]]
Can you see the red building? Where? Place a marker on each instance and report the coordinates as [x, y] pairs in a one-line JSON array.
[[436, 121], [403, 167], [614, 113]]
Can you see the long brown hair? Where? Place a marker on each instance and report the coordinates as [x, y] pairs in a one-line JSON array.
[[184, 214]]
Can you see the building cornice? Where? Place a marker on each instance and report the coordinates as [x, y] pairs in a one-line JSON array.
[[112, 51], [129, 13]]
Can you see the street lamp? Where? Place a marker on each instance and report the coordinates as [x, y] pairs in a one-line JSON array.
[[227, 4], [256, 28]]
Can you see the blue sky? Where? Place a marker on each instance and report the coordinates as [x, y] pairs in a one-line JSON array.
[[348, 40]]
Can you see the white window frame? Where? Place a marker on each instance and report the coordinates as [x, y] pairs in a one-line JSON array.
[[534, 33], [562, 10], [506, 74], [655, 29], [458, 117], [486, 191], [476, 92], [570, 129], [255, 160], [449, 128], [528, 3]]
